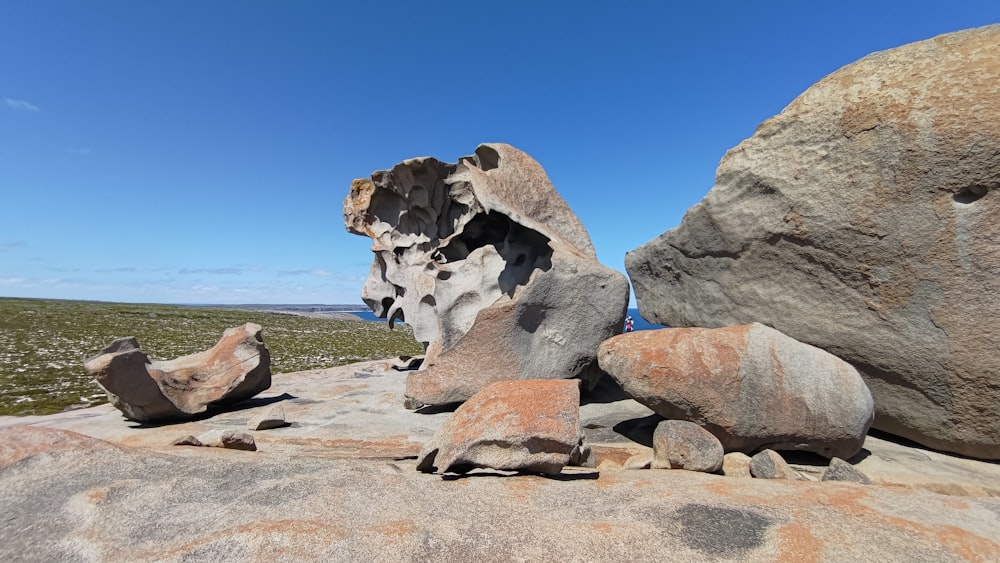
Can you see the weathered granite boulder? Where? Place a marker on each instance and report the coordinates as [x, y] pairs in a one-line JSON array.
[[679, 444], [235, 369], [529, 425], [865, 220], [840, 470], [736, 464], [487, 263], [750, 386], [768, 464]]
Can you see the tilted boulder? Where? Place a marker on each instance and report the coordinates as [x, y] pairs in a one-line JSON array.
[[528, 425], [750, 386], [235, 369], [487, 263], [865, 220]]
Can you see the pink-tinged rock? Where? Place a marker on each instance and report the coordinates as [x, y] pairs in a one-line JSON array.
[[750, 386], [524, 425], [235, 369]]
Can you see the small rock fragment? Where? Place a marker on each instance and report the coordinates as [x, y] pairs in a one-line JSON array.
[[679, 444], [233, 440], [769, 464], [639, 461], [840, 470], [736, 464], [271, 417], [187, 441]]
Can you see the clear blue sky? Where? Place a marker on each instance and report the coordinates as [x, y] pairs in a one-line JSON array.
[[199, 152]]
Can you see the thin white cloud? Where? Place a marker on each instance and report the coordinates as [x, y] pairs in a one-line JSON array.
[[8, 246], [235, 270], [21, 105], [79, 151]]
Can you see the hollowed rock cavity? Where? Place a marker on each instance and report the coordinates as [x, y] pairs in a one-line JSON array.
[[487, 263]]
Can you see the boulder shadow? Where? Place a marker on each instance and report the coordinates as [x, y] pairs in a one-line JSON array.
[[479, 472], [639, 430], [214, 410], [606, 391]]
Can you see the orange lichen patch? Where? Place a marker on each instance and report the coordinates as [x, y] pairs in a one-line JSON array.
[[303, 531], [397, 528], [21, 442], [386, 446], [849, 501], [798, 544], [523, 487], [965, 544], [603, 527], [608, 453], [97, 495]]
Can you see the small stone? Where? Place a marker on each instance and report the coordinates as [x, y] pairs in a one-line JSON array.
[[187, 441], [639, 461], [233, 440], [769, 464], [840, 470], [271, 417], [736, 464], [679, 444], [582, 455]]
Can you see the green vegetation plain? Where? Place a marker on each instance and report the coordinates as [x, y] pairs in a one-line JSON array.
[[44, 342]]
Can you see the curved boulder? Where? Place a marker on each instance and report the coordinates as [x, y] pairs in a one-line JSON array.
[[865, 220], [235, 369]]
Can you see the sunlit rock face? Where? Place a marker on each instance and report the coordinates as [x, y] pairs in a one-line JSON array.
[[864, 220], [487, 263]]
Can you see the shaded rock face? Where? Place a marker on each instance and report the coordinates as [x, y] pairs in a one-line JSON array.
[[750, 386], [235, 369], [487, 263], [865, 220], [530, 425]]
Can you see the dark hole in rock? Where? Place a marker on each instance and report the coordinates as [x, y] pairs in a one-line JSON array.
[[488, 158], [970, 194]]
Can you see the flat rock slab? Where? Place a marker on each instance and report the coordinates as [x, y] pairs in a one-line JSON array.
[[74, 498], [340, 482]]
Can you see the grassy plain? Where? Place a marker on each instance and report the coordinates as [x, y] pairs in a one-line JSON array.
[[43, 344]]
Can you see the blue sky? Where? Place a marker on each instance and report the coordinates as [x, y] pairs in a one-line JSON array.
[[199, 152]]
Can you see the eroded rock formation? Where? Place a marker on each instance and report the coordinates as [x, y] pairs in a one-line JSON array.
[[865, 220], [487, 263], [235, 369]]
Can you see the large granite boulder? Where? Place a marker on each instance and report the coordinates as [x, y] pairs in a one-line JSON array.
[[864, 219], [750, 386], [531, 425], [487, 263], [235, 369]]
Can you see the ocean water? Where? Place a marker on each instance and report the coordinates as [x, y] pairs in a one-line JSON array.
[[638, 323]]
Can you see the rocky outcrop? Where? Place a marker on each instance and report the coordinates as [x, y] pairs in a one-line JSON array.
[[679, 444], [487, 263], [235, 369], [531, 425], [864, 220], [750, 386]]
